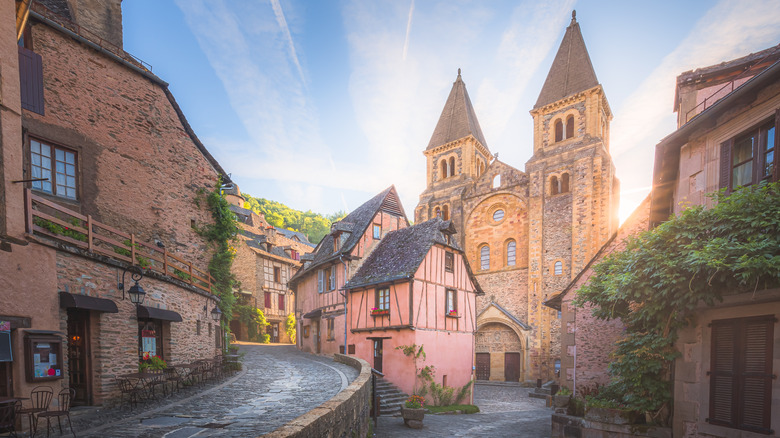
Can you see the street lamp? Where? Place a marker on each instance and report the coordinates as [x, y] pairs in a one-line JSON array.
[[216, 314], [136, 292]]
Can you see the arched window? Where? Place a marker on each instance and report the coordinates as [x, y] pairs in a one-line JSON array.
[[511, 253], [445, 212], [570, 127], [452, 166], [565, 183], [497, 181], [498, 215], [438, 212], [484, 258], [558, 268], [443, 169], [558, 130], [554, 189]]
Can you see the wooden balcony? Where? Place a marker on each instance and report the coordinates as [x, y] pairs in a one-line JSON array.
[[46, 218]]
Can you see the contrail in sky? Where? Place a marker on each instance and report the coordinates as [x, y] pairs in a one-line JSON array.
[[408, 29]]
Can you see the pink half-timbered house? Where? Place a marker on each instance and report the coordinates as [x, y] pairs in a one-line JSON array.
[[416, 287]]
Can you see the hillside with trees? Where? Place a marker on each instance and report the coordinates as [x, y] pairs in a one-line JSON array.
[[314, 225]]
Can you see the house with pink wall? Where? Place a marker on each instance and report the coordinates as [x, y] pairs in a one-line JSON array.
[[320, 305], [417, 288]]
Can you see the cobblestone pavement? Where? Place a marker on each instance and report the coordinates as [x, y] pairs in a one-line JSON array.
[[505, 411], [278, 384]]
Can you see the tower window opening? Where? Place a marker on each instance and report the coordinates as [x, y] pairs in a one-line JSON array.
[[558, 268], [445, 212], [565, 183], [558, 131], [554, 188], [452, 166], [570, 127], [497, 181], [511, 253], [443, 169], [438, 212], [484, 258]]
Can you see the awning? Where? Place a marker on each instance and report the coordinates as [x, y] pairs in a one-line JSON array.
[[76, 301], [313, 314], [154, 313]]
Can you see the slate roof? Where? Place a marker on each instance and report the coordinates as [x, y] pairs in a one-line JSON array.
[[399, 254], [571, 71], [360, 218], [457, 119], [59, 7], [297, 234]]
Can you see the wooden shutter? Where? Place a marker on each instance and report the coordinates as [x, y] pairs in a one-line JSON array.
[[725, 164], [756, 375], [31, 80], [281, 301], [722, 375], [268, 300]]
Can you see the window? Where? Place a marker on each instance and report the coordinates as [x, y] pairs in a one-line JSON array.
[[749, 158], [497, 181], [332, 278], [565, 183], [336, 241], [277, 274], [383, 299], [449, 261], [59, 178], [281, 302], [554, 188], [294, 255], [558, 131], [445, 212], [209, 329], [570, 127], [452, 166], [511, 253], [150, 337], [443, 169], [558, 268], [498, 215], [321, 280], [268, 300], [438, 211], [306, 329], [452, 301], [197, 327], [331, 331], [559, 314], [741, 373], [377, 231], [484, 258]]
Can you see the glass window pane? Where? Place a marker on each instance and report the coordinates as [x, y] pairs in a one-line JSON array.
[[45, 150], [485, 258], [35, 146], [498, 215], [46, 162], [769, 163], [743, 150], [743, 175], [46, 173], [558, 268], [70, 181], [60, 167], [70, 193], [70, 158], [59, 154], [70, 169], [46, 186]]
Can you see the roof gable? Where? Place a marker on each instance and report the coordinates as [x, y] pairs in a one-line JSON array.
[[458, 119], [571, 71]]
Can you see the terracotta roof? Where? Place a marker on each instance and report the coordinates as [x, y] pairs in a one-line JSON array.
[[400, 253], [457, 119], [571, 71]]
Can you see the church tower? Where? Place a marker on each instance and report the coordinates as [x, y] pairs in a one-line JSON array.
[[456, 156], [573, 192]]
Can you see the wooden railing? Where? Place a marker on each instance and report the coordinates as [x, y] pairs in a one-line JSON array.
[[46, 218]]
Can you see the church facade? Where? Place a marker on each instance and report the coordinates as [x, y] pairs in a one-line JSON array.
[[527, 233]]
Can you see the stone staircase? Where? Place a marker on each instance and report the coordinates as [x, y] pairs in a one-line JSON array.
[[391, 398]]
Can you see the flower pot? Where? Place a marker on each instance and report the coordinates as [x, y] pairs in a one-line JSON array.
[[413, 417]]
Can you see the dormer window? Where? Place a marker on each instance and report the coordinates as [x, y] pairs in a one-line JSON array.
[[377, 231], [336, 241]]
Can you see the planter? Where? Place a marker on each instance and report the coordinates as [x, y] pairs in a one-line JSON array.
[[385, 313], [561, 401], [413, 417], [612, 416]]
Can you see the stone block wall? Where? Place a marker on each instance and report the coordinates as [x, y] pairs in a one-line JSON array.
[[344, 415]]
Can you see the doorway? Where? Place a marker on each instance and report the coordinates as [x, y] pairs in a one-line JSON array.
[[378, 355], [483, 366], [275, 333], [79, 356], [316, 329], [512, 367]]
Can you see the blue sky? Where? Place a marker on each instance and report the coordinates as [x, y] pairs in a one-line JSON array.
[[322, 104]]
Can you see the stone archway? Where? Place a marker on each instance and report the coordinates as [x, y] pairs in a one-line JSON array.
[[505, 343]]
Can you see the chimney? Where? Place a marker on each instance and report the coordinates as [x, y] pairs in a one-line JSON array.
[[100, 17]]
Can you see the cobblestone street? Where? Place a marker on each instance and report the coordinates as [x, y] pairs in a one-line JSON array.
[[505, 411], [278, 384]]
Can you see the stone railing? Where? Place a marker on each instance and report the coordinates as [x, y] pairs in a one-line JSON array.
[[346, 414]]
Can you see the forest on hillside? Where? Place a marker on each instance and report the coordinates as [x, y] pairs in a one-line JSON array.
[[314, 225]]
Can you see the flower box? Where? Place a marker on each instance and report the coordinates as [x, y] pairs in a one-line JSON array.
[[380, 312], [452, 315]]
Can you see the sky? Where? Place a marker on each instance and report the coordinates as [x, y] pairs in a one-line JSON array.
[[323, 104]]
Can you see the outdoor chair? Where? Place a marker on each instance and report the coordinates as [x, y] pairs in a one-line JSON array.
[[159, 380], [129, 390], [40, 398], [8, 417], [65, 397], [172, 376]]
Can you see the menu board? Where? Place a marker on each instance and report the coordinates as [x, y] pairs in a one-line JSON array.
[[148, 342], [44, 357]]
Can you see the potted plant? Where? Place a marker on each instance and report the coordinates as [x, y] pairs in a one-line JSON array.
[[375, 311], [149, 362], [453, 313], [562, 397], [413, 412]]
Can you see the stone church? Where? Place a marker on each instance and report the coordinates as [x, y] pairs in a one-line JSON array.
[[527, 234]]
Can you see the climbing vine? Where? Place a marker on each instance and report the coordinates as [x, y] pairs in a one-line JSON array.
[[664, 274], [255, 321], [290, 327], [220, 235]]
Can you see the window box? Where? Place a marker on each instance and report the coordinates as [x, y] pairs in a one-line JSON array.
[[452, 314], [378, 312]]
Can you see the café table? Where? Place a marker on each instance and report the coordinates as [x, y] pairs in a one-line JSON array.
[[144, 379]]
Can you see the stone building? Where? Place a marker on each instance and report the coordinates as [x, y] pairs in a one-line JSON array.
[[527, 233], [265, 261], [99, 178]]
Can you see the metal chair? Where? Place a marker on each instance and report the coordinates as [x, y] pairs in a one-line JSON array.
[[172, 376], [8, 417], [130, 390], [40, 398], [65, 397]]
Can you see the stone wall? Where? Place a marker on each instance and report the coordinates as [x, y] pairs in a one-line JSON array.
[[566, 426], [344, 415]]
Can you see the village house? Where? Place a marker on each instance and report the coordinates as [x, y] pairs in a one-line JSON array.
[[319, 285], [527, 233], [265, 261], [725, 382], [98, 186], [415, 288]]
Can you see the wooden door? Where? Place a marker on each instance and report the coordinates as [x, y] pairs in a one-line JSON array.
[[78, 356], [512, 367], [315, 325], [483, 366], [378, 355]]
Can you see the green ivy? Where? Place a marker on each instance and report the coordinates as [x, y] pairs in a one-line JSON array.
[[60, 230], [656, 283], [219, 236], [255, 321], [290, 327]]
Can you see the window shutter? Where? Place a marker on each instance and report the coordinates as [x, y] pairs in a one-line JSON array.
[[31, 80], [722, 375], [320, 279], [281, 301], [725, 164], [757, 375], [268, 300]]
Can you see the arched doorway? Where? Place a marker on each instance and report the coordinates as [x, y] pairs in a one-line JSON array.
[[500, 353]]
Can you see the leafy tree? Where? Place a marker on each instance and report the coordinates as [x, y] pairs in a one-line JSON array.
[[290, 327], [255, 321], [315, 226], [662, 276]]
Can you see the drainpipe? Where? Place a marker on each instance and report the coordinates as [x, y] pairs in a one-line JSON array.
[[574, 377]]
